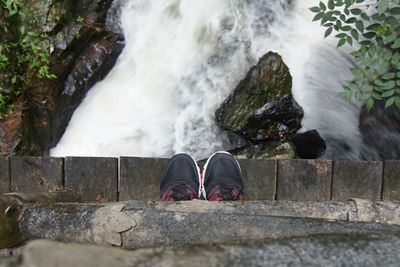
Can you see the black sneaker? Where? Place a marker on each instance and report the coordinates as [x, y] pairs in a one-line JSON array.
[[181, 179], [223, 180]]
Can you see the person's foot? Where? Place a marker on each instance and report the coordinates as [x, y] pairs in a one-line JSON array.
[[223, 180], [181, 179]]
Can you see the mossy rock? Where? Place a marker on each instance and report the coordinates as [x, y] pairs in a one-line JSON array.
[[266, 82]]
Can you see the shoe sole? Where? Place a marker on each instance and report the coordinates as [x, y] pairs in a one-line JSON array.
[[203, 191]]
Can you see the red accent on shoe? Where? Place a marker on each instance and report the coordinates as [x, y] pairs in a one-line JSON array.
[[225, 194]]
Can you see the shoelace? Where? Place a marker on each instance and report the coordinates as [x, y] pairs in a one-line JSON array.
[[179, 191], [225, 192]]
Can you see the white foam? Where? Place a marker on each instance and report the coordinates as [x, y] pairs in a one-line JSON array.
[[182, 59]]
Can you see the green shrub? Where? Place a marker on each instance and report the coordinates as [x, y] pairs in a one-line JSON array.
[[373, 28], [24, 54]]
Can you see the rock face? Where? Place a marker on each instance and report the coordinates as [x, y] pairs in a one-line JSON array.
[[262, 118], [380, 130], [84, 52], [319, 250], [262, 107]]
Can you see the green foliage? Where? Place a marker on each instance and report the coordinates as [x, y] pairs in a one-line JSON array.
[[24, 54], [373, 28]]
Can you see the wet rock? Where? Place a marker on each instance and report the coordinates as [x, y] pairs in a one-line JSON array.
[[91, 66], [309, 145], [262, 107], [268, 150], [380, 130]]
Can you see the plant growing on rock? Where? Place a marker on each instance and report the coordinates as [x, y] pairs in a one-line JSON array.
[[373, 28], [24, 54]]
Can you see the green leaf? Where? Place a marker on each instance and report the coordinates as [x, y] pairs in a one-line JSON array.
[[395, 11], [388, 93], [328, 32], [318, 16], [356, 11], [354, 34], [369, 35], [346, 28], [395, 58], [364, 16], [348, 3], [383, 5], [351, 20], [397, 102], [366, 42], [390, 38], [392, 22], [388, 76], [341, 42], [360, 26], [349, 40], [315, 9], [373, 27], [340, 35], [389, 85], [322, 6], [331, 5], [370, 103], [379, 82], [376, 96], [396, 44], [390, 102]]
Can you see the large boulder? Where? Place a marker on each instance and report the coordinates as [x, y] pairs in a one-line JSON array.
[[262, 107]]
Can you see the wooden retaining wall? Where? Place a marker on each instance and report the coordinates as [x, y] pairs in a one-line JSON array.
[[125, 178]]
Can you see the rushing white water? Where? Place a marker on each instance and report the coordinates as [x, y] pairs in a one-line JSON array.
[[182, 59]]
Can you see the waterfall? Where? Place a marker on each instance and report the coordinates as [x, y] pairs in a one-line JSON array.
[[182, 58]]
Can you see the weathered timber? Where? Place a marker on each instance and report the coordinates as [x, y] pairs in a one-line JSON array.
[[139, 224], [304, 180], [36, 174], [391, 180], [140, 178], [259, 179], [4, 175], [357, 179], [320, 250], [96, 179]]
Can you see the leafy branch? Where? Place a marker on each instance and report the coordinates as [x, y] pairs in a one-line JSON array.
[[373, 28]]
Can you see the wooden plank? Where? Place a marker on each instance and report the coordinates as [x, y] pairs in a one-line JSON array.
[[96, 179], [4, 176], [357, 179], [259, 179], [36, 174], [140, 178], [304, 180], [391, 180]]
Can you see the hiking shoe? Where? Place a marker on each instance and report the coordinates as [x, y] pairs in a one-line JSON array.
[[223, 180], [181, 179]]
